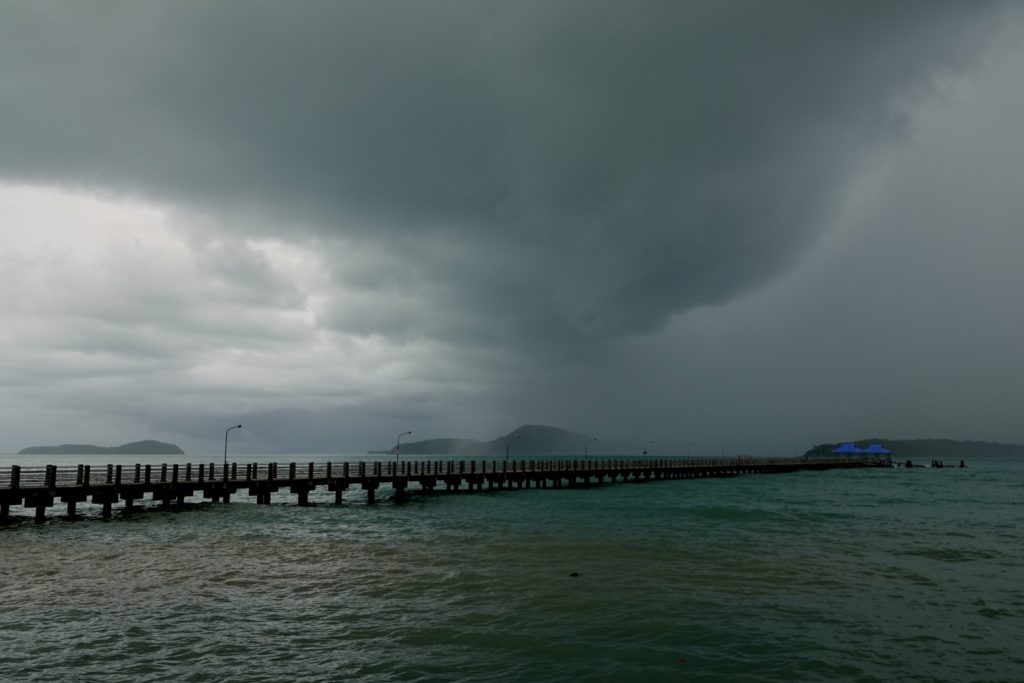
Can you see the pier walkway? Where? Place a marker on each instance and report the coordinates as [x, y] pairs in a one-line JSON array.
[[41, 487]]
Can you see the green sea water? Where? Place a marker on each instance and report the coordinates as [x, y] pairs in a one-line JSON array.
[[870, 575]]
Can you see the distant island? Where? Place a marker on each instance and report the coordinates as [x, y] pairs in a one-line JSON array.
[[526, 440], [928, 449], [148, 447]]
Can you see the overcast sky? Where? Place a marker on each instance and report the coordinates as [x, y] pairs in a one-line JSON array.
[[738, 226]]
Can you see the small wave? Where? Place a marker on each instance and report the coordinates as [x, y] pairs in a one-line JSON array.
[[953, 555]]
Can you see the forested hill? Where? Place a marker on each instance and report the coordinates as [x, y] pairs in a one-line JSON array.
[[527, 440], [928, 449], [147, 447]]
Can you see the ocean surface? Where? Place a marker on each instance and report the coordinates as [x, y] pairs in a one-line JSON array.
[[872, 575]]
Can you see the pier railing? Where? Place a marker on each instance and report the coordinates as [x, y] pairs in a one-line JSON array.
[[59, 476], [40, 486]]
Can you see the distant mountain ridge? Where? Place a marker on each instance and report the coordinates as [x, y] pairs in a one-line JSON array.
[[909, 449], [527, 440], [147, 447]]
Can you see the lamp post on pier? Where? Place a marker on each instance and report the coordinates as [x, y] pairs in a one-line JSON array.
[[398, 446], [586, 448], [645, 445], [508, 442], [691, 443], [226, 449]]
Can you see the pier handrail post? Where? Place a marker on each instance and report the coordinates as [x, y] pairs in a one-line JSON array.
[[117, 475], [15, 476]]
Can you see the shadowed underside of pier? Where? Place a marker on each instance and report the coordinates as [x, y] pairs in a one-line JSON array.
[[41, 487]]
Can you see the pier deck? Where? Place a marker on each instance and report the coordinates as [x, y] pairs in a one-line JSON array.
[[41, 487]]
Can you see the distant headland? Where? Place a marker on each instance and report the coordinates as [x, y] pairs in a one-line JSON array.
[[526, 440], [148, 447]]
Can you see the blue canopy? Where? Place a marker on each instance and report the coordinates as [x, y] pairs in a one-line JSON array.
[[877, 449], [847, 449]]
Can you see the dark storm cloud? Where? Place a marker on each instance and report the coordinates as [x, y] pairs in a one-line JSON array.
[[549, 171]]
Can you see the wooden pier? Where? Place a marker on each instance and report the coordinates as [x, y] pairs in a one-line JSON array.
[[41, 487]]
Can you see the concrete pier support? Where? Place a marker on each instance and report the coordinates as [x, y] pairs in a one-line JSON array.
[[337, 495], [40, 513], [108, 509], [5, 511]]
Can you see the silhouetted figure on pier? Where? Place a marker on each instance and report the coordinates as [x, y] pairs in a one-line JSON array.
[[962, 464]]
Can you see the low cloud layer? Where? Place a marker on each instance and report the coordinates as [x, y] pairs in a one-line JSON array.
[[415, 211]]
